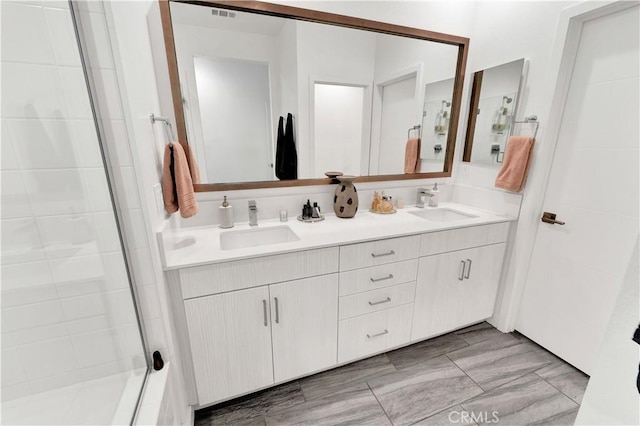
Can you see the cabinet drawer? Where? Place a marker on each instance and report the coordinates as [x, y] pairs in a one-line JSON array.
[[462, 238], [378, 252], [368, 334], [376, 300], [239, 274], [361, 280]]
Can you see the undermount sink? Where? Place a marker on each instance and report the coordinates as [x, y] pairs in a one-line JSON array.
[[442, 214], [230, 240]]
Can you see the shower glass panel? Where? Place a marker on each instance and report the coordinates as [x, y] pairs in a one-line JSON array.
[[72, 352]]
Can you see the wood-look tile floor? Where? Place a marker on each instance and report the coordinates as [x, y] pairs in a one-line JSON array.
[[473, 376]]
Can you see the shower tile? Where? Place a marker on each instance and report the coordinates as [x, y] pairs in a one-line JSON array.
[[31, 91], [55, 382], [33, 335], [9, 158], [12, 371], [48, 358], [120, 307], [96, 348], [20, 241], [97, 188], [10, 393], [32, 315], [88, 324], [86, 144], [78, 268], [24, 283], [97, 39], [15, 201], [84, 306], [116, 277], [43, 143], [30, 41], [76, 96], [106, 232], [53, 192], [66, 236], [108, 94], [62, 36]]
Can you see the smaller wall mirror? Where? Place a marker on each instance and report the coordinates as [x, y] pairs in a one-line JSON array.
[[494, 97]]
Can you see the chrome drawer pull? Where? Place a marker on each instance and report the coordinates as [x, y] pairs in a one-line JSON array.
[[371, 336], [277, 310], [390, 253], [375, 280], [387, 300], [264, 308], [468, 269], [461, 276]]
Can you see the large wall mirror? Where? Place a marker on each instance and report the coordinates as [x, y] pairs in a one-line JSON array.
[[251, 78], [494, 97]]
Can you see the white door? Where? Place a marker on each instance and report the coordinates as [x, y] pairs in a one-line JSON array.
[[230, 338], [304, 324], [577, 268], [398, 115]]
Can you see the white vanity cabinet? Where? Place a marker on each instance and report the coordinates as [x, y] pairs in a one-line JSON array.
[[260, 321], [458, 287], [268, 332]]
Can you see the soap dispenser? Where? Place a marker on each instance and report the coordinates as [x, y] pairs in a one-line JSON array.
[[226, 214], [433, 199]]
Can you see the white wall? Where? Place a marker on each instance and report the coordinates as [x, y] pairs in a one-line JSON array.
[[67, 310]]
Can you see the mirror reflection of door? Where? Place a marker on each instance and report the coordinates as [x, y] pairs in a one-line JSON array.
[[398, 115], [237, 147], [436, 114], [338, 129]]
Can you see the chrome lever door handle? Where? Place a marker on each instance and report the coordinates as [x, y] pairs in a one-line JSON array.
[[548, 217]]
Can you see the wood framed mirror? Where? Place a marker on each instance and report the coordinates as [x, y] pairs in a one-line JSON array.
[[356, 91]]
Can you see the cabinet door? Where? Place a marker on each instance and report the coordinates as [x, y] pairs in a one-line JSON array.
[[304, 320], [456, 289], [230, 339]]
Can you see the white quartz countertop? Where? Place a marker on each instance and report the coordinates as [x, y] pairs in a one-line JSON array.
[[195, 246]]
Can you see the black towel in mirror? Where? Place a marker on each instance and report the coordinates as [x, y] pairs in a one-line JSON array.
[[286, 154]]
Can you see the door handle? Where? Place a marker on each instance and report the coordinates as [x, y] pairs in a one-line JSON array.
[[461, 276], [277, 311], [387, 300], [389, 253], [548, 217], [375, 280], [468, 269], [264, 309], [371, 336]]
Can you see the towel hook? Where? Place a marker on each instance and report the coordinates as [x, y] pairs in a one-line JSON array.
[[416, 127]]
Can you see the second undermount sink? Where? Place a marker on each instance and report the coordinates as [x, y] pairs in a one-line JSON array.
[[442, 214], [230, 240]]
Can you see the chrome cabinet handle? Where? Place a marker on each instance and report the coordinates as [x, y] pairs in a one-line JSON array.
[[375, 280], [387, 300], [277, 311], [468, 269], [370, 336], [464, 265], [264, 308], [389, 253]]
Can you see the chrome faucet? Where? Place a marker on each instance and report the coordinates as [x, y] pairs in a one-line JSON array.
[[253, 213], [422, 192]]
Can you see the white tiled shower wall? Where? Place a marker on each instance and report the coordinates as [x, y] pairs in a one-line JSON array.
[[67, 310]]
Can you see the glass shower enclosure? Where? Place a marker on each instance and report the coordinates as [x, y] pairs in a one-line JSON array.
[[72, 349]]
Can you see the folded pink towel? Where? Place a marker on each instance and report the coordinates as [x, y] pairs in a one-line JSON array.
[[517, 158], [177, 183], [412, 156]]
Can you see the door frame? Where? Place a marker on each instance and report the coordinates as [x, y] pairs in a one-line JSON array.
[[560, 70], [416, 71]]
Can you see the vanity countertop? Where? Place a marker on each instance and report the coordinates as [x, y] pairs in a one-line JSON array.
[[195, 246]]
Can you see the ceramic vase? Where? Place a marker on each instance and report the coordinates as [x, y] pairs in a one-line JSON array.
[[345, 200]]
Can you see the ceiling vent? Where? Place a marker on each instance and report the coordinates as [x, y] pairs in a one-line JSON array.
[[223, 13]]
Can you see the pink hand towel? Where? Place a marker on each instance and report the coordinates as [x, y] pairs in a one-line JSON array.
[[412, 156], [517, 158], [177, 184]]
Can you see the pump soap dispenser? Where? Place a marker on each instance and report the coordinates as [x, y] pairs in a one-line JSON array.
[[226, 214], [433, 199]]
